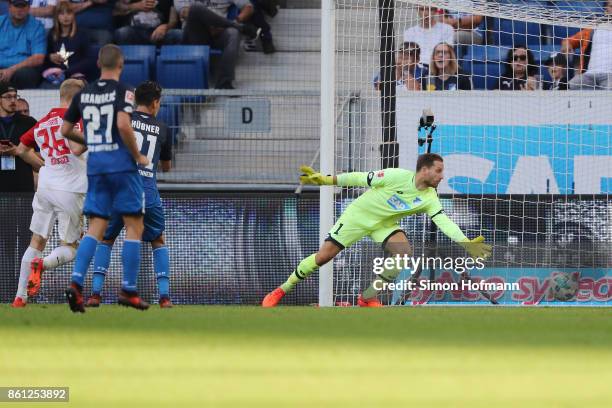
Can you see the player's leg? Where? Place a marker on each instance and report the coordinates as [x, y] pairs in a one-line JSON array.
[[131, 262], [102, 259], [394, 242], [34, 251], [41, 226], [68, 208], [154, 226], [98, 206], [343, 234], [129, 202], [161, 266]]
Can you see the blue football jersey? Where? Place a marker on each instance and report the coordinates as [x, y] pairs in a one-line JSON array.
[[154, 142], [98, 104]]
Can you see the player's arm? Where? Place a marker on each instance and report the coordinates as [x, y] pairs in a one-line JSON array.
[[27, 154], [165, 154], [71, 118], [475, 247], [124, 125], [77, 148], [352, 179]]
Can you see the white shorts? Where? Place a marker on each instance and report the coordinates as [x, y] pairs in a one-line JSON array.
[[64, 206]]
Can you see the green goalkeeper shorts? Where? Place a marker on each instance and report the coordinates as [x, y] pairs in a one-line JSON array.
[[350, 229]]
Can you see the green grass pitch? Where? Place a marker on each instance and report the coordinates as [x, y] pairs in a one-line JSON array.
[[307, 357]]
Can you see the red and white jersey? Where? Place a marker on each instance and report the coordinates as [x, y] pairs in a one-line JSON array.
[[62, 170]]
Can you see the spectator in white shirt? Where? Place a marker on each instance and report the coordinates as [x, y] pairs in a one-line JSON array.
[[43, 10], [598, 74], [428, 33]]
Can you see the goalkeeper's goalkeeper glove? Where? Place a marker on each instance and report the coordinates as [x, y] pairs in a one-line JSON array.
[[477, 247], [312, 177]]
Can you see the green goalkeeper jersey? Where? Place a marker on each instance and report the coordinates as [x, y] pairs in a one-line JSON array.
[[393, 196]]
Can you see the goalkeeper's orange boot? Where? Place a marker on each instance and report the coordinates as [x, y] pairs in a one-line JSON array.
[[165, 303], [18, 302], [36, 270], [94, 300], [131, 299], [74, 295], [273, 298], [368, 302]]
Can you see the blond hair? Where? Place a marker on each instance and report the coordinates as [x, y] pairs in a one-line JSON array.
[[453, 66], [69, 88]]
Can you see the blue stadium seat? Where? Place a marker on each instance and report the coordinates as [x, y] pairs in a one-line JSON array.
[[561, 32], [513, 33], [596, 7], [485, 76], [139, 63], [3, 7], [183, 66]]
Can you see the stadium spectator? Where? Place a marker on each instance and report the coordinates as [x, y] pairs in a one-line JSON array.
[[259, 20], [206, 23], [148, 21], [23, 107], [557, 68], [95, 18], [408, 70], [15, 174], [22, 46], [429, 32], [444, 73], [595, 63], [74, 61], [466, 27], [519, 72], [43, 10]]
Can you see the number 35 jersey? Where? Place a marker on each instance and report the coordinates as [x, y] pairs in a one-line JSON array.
[[99, 104], [62, 170], [154, 142]]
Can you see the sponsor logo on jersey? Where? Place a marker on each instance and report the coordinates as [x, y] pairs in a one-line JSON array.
[[417, 201], [129, 97], [397, 203], [380, 174]]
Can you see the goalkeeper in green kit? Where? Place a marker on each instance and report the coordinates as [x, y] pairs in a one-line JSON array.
[[393, 195]]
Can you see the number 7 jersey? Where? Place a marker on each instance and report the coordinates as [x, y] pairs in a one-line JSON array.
[[62, 170], [99, 104]]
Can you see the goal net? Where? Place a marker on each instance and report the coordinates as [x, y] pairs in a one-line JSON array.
[[520, 91]]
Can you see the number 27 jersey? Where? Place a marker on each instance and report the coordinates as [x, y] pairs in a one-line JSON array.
[[99, 104]]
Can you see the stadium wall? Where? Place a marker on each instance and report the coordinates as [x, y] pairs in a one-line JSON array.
[[233, 248]]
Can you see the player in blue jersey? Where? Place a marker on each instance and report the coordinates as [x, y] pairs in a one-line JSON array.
[[154, 142], [114, 184]]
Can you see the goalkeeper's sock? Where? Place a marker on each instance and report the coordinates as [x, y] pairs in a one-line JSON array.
[[59, 256], [388, 276], [24, 270], [303, 270], [101, 264], [86, 251], [131, 264], [161, 266]]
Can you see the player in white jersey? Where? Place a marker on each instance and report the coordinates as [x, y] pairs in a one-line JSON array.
[[61, 190]]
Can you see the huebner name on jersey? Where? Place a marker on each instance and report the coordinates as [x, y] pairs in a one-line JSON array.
[[98, 99], [145, 127]]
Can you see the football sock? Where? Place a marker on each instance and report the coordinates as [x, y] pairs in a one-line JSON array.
[[161, 265], [24, 271], [388, 276], [306, 267], [131, 264], [101, 264], [59, 256], [86, 251]]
